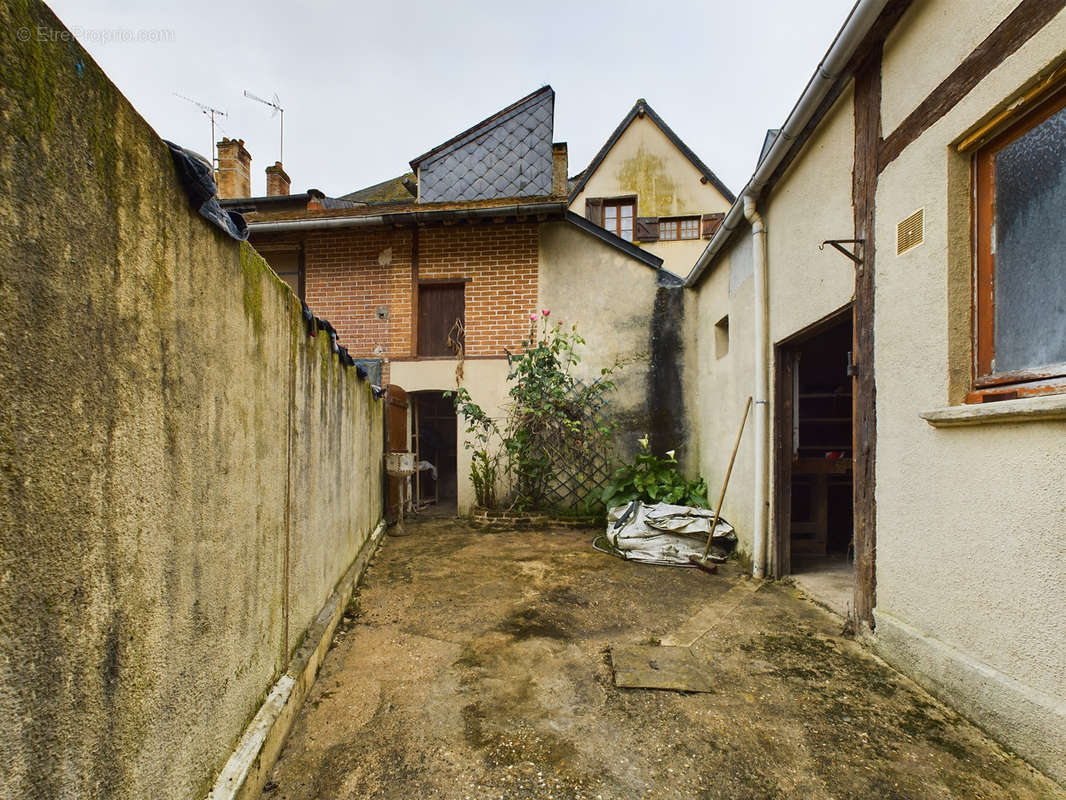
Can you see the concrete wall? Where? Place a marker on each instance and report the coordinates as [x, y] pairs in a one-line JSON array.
[[154, 578], [646, 163], [810, 204], [971, 557]]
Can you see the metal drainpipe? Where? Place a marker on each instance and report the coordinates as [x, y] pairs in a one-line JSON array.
[[762, 394]]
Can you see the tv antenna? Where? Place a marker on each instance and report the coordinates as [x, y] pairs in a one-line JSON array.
[[209, 111], [276, 105]]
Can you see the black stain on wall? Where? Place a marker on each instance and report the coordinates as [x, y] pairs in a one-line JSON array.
[[665, 396]]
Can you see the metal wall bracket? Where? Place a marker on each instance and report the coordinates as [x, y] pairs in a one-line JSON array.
[[838, 245]]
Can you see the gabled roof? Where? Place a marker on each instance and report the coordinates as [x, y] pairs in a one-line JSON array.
[[393, 190], [640, 108], [617, 242]]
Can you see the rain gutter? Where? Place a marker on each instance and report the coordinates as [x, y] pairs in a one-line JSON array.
[[851, 35], [409, 217]]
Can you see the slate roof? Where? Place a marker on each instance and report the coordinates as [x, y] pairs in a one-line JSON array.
[[507, 155], [639, 108], [390, 191]]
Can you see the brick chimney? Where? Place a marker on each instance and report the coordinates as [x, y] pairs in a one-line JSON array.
[[277, 180], [559, 167], [234, 176]]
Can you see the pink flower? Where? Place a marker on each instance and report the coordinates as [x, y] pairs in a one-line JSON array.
[[532, 317], [545, 311]]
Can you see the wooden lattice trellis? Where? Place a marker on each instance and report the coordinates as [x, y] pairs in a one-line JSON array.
[[581, 466]]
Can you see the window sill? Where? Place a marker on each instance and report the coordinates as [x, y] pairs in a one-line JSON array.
[[1024, 409]]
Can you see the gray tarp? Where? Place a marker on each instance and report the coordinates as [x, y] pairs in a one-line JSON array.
[[664, 534]]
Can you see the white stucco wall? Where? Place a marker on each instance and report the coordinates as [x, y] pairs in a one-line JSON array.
[[971, 522], [609, 296], [724, 381], [971, 549], [811, 203], [646, 163], [484, 378], [929, 42]]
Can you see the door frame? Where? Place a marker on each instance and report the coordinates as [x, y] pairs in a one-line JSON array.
[[780, 561], [397, 440]]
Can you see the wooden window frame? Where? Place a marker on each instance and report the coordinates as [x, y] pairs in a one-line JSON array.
[[288, 247], [674, 224], [987, 386], [617, 203]]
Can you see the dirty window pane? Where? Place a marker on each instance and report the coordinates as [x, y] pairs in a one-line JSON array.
[[1030, 248], [668, 230], [626, 231], [690, 229]]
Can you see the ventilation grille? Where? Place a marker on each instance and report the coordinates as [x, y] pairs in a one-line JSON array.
[[910, 232]]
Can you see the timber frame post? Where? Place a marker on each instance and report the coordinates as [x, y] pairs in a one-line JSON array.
[[864, 389]]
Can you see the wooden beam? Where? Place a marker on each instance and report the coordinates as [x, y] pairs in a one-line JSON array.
[[413, 344], [888, 19], [781, 552], [864, 389], [1014, 31]]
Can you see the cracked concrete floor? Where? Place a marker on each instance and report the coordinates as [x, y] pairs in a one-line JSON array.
[[476, 665]]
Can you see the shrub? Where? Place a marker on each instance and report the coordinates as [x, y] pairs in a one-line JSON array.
[[547, 423]]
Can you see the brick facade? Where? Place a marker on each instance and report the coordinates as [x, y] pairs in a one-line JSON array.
[[352, 274]]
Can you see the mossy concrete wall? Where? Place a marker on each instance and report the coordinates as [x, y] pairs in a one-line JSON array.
[[184, 475]]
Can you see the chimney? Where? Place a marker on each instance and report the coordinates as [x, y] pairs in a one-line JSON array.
[[234, 176], [277, 180], [559, 188]]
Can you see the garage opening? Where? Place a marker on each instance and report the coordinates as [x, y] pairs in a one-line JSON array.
[[815, 394], [435, 441]]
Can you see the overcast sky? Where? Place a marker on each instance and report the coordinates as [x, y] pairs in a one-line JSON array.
[[368, 86]]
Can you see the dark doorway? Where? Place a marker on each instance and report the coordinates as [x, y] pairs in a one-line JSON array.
[[396, 441], [435, 443], [814, 457]]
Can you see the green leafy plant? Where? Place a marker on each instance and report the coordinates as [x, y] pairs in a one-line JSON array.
[[653, 480], [483, 438], [547, 421]]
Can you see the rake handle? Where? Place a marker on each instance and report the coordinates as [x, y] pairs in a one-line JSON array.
[[725, 483]]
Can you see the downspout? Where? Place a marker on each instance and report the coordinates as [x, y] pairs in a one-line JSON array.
[[762, 338]]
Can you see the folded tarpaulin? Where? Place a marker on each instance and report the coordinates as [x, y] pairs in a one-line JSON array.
[[199, 184], [664, 534]]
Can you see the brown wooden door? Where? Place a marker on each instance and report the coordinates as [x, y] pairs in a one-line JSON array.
[[396, 441], [440, 306]]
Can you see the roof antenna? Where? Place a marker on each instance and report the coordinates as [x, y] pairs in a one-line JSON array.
[[276, 105], [211, 112]]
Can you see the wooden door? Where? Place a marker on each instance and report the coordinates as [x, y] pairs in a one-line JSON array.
[[396, 441], [440, 306]]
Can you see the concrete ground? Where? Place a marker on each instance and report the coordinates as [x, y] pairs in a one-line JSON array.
[[827, 580], [478, 665]]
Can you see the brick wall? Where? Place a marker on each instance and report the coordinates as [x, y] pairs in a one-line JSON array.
[[501, 261], [351, 273]]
